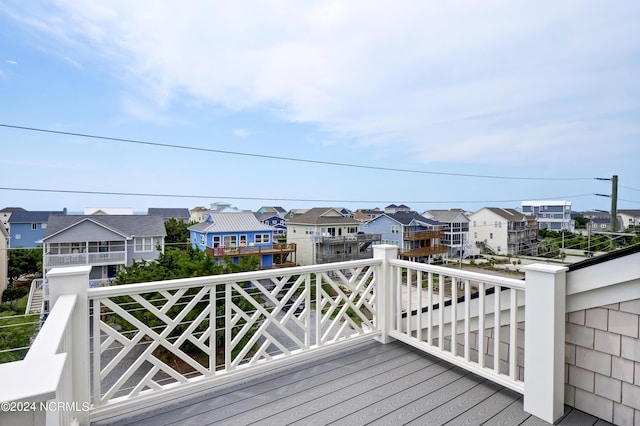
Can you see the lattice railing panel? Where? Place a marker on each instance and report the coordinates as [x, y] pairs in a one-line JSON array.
[[156, 336]]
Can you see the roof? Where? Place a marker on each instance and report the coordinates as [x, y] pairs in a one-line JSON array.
[[546, 203], [273, 209], [630, 212], [323, 216], [267, 215], [447, 216], [230, 222], [511, 215], [24, 216], [129, 225], [108, 210], [170, 212], [406, 218], [12, 209]]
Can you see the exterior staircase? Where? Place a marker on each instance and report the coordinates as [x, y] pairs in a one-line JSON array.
[[35, 303]]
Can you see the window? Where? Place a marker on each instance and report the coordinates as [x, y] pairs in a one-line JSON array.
[[491, 236], [34, 226], [475, 235], [216, 241], [230, 240], [18, 236], [243, 240], [262, 238], [395, 229], [202, 239], [352, 230], [142, 244]]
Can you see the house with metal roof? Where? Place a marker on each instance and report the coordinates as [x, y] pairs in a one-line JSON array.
[[26, 228], [239, 234], [325, 234], [105, 242], [504, 231]]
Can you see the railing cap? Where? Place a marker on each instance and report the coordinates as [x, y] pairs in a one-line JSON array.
[[545, 267], [69, 270]]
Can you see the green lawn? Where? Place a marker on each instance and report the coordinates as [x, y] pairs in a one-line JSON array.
[[16, 330]]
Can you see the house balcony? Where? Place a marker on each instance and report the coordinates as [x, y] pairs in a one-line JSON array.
[[348, 239], [424, 251], [283, 254], [79, 259], [423, 235], [376, 340]]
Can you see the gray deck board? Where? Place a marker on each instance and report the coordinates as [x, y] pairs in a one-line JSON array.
[[370, 383]]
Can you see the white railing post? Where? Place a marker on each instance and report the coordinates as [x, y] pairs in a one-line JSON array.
[[75, 280], [544, 341], [386, 291]]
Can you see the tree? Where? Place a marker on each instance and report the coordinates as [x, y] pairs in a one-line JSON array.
[[24, 261], [177, 263], [581, 222], [548, 248], [177, 233]]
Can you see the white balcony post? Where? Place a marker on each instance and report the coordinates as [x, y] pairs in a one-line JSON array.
[[544, 341], [386, 291], [75, 280]]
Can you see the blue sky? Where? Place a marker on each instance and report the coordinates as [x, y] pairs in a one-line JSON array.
[[544, 91]]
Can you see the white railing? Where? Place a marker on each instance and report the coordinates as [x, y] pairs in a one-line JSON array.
[[472, 320], [58, 260], [156, 336], [37, 386], [157, 341]]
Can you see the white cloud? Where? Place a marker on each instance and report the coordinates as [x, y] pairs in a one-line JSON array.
[[9, 61], [490, 81]]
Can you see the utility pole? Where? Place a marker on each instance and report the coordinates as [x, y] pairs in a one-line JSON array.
[[613, 225], [614, 203]]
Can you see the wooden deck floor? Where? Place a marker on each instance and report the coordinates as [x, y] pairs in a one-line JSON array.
[[367, 384]]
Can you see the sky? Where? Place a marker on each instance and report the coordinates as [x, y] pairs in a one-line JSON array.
[[359, 104]]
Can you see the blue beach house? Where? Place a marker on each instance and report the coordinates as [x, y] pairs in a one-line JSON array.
[[234, 234]]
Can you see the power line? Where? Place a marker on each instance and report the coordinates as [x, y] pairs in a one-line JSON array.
[[627, 187], [142, 194], [276, 157]]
